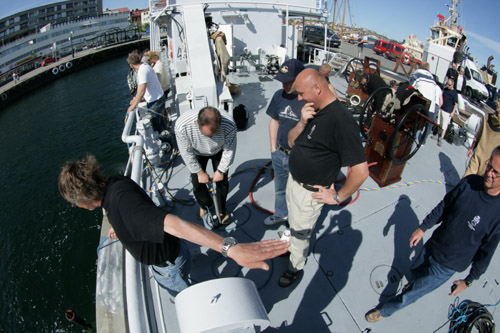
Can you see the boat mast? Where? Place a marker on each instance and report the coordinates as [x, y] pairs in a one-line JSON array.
[[334, 12], [343, 16], [454, 15]]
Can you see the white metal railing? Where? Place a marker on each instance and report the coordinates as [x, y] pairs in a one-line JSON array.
[[135, 298]]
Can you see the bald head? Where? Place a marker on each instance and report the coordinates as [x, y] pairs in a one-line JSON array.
[[425, 65], [325, 69], [311, 86]]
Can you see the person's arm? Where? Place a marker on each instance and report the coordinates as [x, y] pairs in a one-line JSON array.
[[483, 257], [273, 133], [477, 138], [228, 149], [186, 150], [440, 212], [416, 237], [111, 233], [141, 90], [357, 176], [334, 92], [250, 255], [480, 263], [308, 112], [455, 107]]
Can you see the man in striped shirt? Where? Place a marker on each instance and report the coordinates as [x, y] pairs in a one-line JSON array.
[[203, 136]]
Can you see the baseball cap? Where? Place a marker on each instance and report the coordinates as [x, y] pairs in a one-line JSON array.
[[289, 70]]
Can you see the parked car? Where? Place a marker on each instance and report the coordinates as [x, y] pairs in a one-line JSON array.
[[394, 50], [49, 60], [316, 35], [380, 46]]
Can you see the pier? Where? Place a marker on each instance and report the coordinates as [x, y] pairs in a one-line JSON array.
[[65, 66]]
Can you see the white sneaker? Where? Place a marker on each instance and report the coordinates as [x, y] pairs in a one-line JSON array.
[[273, 220]]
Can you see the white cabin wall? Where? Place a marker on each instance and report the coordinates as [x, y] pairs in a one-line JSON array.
[[439, 58], [303, 3], [265, 28]]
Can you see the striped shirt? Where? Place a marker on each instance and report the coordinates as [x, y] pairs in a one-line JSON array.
[[192, 143]]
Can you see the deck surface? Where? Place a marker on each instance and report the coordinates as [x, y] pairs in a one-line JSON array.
[[359, 253]]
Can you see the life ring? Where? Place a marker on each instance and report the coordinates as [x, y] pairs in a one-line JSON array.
[[62, 68], [55, 70], [4, 97], [355, 100], [69, 65]]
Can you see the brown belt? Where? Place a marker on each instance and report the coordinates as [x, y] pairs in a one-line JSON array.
[[307, 187], [283, 149]]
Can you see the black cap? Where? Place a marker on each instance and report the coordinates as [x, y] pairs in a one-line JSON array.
[[289, 70]]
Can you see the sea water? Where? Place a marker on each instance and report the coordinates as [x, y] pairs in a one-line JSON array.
[[47, 247]]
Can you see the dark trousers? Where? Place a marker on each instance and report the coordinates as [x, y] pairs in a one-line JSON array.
[[158, 122], [201, 193]]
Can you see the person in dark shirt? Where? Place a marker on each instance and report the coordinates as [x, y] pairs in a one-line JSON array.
[[468, 233], [448, 108], [369, 83], [284, 111], [325, 139], [452, 73], [150, 234]]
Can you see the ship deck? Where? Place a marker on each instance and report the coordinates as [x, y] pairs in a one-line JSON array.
[[359, 253]]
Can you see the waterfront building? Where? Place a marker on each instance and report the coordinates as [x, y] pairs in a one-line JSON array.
[[30, 21], [62, 39]]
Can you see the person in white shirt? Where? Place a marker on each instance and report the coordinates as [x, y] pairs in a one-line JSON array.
[[154, 59], [423, 81], [149, 87]]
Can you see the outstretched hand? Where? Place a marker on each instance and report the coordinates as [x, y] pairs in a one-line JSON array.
[[252, 255]]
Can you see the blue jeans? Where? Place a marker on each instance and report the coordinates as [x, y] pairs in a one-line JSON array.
[[281, 170], [427, 277], [159, 122], [173, 276]]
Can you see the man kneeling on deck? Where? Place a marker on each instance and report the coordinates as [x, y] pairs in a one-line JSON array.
[[149, 233], [468, 234]]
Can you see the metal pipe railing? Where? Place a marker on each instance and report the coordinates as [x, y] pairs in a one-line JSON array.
[[135, 300]]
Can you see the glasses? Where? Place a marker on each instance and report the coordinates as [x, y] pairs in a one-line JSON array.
[[489, 167]]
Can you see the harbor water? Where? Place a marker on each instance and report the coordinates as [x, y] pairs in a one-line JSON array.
[[48, 249]]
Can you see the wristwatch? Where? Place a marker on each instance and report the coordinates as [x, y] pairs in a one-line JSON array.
[[336, 197], [467, 283], [227, 243]]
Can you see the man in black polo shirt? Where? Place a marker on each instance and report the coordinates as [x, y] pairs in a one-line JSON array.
[[324, 140], [149, 233]]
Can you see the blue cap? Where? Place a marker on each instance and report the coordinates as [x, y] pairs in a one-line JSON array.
[[289, 70]]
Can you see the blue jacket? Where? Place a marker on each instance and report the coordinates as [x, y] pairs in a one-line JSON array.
[[469, 229]]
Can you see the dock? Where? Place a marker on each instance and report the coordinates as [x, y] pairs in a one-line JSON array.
[[65, 66]]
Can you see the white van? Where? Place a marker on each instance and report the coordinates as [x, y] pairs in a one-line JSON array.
[[474, 86], [440, 57]]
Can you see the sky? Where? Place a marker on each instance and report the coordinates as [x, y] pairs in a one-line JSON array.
[[394, 19], [399, 19]]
